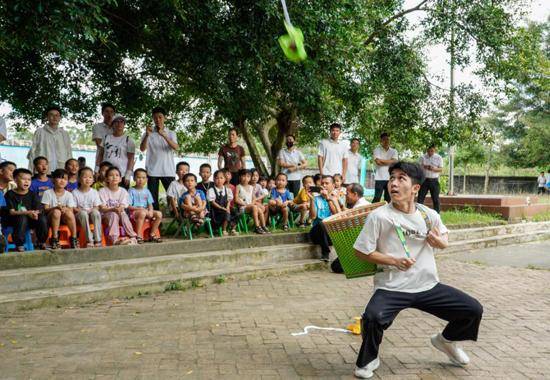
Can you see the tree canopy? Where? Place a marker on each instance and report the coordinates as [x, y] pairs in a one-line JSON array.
[[216, 63]]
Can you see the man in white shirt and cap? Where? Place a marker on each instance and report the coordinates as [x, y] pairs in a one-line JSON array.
[[383, 156], [332, 157], [432, 164], [353, 172], [51, 141]]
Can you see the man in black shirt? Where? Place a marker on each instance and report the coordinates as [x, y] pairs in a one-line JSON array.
[[24, 211]]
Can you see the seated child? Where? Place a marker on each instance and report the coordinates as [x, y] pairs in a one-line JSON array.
[[6, 176], [71, 167], [281, 198], [220, 198], [259, 194], [24, 211], [339, 190], [265, 192], [317, 179], [141, 207], [205, 171], [193, 201], [228, 184], [115, 202], [59, 205], [176, 189], [87, 207], [101, 172], [301, 202], [270, 184], [41, 182], [245, 201]]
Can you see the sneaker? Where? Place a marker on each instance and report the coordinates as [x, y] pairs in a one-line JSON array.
[[259, 231], [285, 227], [74, 242], [54, 242], [233, 232], [266, 230], [449, 348], [366, 372], [20, 249]]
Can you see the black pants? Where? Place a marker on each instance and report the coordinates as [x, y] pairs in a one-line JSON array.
[[462, 311], [234, 178], [431, 184], [379, 188], [318, 235], [541, 190], [153, 186], [21, 223], [294, 187]]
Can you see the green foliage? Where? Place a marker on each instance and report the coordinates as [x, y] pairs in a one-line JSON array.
[[220, 279], [174, 286], [468, 216]]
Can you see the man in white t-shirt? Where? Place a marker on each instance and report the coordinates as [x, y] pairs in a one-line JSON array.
[[541, 183], [383, 156], [160, 144], [353, 172], [354, 196], [102, 129], [332, 157], [119, 149], [401, 239], [292, 162], [432, 164]]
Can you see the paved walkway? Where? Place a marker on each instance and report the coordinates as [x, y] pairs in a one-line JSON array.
[[242, 330]]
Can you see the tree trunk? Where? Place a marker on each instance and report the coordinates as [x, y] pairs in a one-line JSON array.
[[251, 144], [263, 135], [286, 124]]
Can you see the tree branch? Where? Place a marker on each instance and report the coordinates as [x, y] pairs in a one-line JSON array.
[[374, 34]]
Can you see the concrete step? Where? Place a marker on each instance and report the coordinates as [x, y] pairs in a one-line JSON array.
[[496, 240], [147, 285], [507, 229], [14, 260], [56, 276]]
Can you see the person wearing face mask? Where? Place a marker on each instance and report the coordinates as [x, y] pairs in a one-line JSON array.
[[292, 161]]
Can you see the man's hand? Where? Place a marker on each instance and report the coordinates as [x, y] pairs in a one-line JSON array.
[[404, 263], [435, 239], [34, 214], [148, 130]]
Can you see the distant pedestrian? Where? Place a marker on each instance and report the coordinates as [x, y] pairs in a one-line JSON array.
[[332, 157], [103, 128], [231, 156], [292, 162], [354, 162], [432, 164], [384, 156], [541, 182]]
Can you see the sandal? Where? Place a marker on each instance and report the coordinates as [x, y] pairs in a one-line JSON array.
[[139, 240], [285, 227], [55, 243], [155, 239], [259, 231]]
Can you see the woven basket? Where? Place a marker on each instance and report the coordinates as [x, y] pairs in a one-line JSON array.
[[343, 229]]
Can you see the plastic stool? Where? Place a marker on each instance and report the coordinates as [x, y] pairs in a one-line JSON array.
[[7, 231], [64, 236], [82, 236], [145, 229]]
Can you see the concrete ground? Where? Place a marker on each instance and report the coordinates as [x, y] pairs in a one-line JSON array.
[[242, 330]]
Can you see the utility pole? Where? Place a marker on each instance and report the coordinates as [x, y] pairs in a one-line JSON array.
[[451, 188]]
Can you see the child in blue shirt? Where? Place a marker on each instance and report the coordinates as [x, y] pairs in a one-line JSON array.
[[41, 182], [281, 198], [141, 207], [193, 201]]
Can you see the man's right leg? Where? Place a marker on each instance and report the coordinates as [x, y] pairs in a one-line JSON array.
[[423, 192], [153, 186], [382, 309], [378, 191]]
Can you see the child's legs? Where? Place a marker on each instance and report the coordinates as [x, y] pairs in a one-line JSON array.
[[253, 210], [95, 218], [139, 218], [127, 225], [40, 228], [112, 221], [19, 223], [284, 211], [54, 219], [69, 219], [155, 223], [83, 220]]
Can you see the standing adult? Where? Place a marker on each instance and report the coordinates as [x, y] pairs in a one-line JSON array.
[[541, 183], [354, 162], [402, 238], [102, 129], [160, 144], [332, 157], [432, 164], [3, 131], [384, 156], [231, 156], [119, 149], [292, 161], [51, 141]]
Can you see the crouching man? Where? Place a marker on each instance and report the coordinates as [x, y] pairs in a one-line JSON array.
[[401, 238]]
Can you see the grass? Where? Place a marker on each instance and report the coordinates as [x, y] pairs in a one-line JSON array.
[[468, 216], [543, 217]]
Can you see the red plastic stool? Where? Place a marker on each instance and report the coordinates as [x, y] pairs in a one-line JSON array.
[[64, 236], [82, 236], [145, 229]]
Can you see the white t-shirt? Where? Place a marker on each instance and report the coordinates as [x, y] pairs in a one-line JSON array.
[[541, 181], [224, 190], [176, 190], [382, 171], [245, 194], [354, 165], [116, 150], [361, 202], [88, 200], [159, 157], [51, 199], [293, 157], [100, 130], [435, 160], [379, 234], [333, 152]]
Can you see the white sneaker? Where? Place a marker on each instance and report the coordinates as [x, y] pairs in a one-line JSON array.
[[366, 372], [455, 354]]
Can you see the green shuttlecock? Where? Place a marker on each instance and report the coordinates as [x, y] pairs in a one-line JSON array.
[[293, 44]]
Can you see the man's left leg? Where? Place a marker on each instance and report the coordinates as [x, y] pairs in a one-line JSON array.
[[434, 193], [463, 313]]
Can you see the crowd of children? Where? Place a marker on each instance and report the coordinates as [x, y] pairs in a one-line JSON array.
[[99, 208]]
